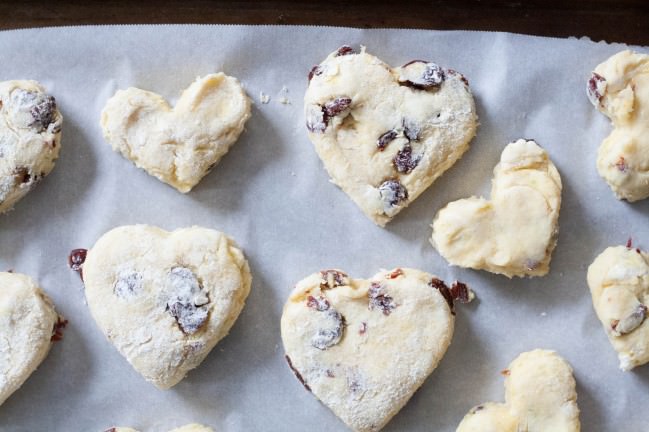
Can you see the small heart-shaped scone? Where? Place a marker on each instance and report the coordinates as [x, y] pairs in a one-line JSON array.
[[187, 428], [177, 145], [164, 299], [619, 88], [540, 396], [383, 134], [30, 138], [28, 326], [363, 347], [515, 232], [619, 284]]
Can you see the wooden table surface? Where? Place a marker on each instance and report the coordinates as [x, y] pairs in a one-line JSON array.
[[610, 20]]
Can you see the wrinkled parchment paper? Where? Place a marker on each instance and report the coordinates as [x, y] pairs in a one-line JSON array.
[[273, 196]]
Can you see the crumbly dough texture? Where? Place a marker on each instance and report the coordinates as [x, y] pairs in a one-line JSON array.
[[194, 427], [619, 284], [540, 396], [363, 347], [177, 145], [164, 299], [30, 138], [513, 233], [395, 137], [27, 321], [619, 88]]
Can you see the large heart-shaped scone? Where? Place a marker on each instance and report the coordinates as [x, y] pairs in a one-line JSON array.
[[619, 284], [540, 396], [363, 347], [30, 138], [28, 326], [515, 232], [165, 299], [384, 135], [181, 145], [619, 88], [194, 427]]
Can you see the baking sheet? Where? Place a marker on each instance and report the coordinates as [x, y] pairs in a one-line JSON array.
[[272, 195]]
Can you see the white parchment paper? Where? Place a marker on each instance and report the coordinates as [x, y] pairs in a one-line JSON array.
[[272, 195]]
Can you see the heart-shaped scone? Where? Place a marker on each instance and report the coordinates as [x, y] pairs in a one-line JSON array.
[[540, 396], [30, 138], [28, 326], [515, 232], [363, 347], [384, 135], [164, 299], [187, 428], [619, 88], [177, 145], [619, 284]]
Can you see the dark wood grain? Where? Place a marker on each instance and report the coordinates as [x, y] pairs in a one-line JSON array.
[[611, 20]]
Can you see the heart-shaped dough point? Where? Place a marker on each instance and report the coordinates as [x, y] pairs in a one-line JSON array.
[[515, 232], [619, 88], [363, 347], [540, 396], [177, 145], [30, 138], [28, 325], [619, 284], [164, 299], [383, 134]]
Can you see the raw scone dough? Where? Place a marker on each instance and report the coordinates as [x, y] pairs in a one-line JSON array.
[[540, 396], [515, 232], [165, 299], [384, 135], [177, 145], [30, 138], [187, 428], [619, 88], [363, 347], [619, 283], [27, 323]]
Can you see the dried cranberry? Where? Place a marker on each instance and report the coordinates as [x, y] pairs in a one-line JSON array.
[[629, 243], [460, 292], [337, 106], [297, 374], [315, 71], [319, 304], [345, 50], [188, 302], [395, 273], [329, 336], [403, 161], [379, 299], [76, 259], [385, 139], [332, 279], [57, 330], [392, 192], [421, 74], [596, 88]]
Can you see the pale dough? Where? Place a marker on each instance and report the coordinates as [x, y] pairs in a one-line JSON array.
[[513, 233], [27, 324], [164, 299], [187, 428], [619, 284], [30, 138], [383, 134], [177, 145], [363, 347], [619, 88], [540, 396]]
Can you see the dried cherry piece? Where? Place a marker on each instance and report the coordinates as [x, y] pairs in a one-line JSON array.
[[596, 88], [188, 301], [329, 336], [76, 259], [345, 50], [421, 74], [621, 164], [404, 162], [440, 285], [57, 330], [297, 374], [395, 273], [315, 71], [332, 279], [411, 129], [392, 192], [43, 112], [320, 303], [460, 292], [385, 139], [379, 299], [337, 106]]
